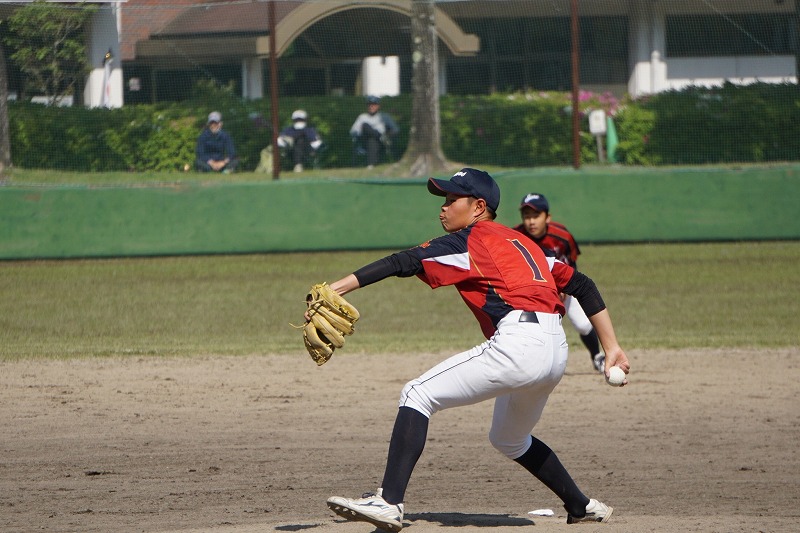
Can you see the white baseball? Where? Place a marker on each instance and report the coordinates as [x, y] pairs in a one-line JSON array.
[[615, 376]]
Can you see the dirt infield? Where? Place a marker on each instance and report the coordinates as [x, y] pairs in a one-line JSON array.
[[700, 441]]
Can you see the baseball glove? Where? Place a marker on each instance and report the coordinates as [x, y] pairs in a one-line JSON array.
[[330, 318]]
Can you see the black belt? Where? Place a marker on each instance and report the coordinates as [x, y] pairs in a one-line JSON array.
[[528, 316]]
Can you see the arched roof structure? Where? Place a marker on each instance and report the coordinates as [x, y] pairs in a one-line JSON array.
[[219, 32], [301, 18]]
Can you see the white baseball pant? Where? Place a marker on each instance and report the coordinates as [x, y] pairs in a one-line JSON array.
[[577, 316], [519, 366]]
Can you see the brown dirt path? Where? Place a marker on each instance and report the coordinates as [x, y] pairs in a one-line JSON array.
[[700, 441]]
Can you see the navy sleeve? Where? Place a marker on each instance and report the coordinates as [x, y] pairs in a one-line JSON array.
[[585, 291], [401, 264]]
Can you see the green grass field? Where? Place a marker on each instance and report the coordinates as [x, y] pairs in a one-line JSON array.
[[659, 295], [60, 178], [36, 177]]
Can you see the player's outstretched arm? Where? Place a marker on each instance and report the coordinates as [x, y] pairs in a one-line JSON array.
[[347, 284], [403, 264], [615, 356]]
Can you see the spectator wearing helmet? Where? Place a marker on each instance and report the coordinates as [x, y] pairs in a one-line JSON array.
[[299, 141], [372, 132]]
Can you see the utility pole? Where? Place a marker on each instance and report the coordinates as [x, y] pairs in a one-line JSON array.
[[576, 85], [273, 90]]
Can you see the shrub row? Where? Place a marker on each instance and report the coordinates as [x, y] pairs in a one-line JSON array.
[[756, 123]]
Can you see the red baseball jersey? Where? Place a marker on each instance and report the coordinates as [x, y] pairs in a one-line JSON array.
[[495, 271], [557, 239]]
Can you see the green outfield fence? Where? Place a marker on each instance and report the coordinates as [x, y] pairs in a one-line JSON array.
[[598, 205]]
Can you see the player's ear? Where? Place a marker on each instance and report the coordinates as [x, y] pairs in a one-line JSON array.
[[480, 206]]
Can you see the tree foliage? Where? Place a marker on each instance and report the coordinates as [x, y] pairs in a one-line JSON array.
[[758, 123], [49, 47], [5, 141]]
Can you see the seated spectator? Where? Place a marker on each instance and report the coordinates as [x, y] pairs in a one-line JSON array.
[[299, 141], [373, 131], [215, 151]]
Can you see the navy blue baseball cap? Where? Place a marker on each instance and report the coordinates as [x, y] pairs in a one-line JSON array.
[[535, 201], [469, 182]]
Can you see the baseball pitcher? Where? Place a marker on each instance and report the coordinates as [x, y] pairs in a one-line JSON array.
[[513, 290]]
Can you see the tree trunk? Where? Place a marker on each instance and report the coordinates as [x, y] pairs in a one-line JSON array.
[[424, 153], [5, 141]]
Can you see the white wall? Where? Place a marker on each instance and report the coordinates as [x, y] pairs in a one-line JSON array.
[[647, 42], [252, 78], [710, 71], [381, 76], [104, 35]]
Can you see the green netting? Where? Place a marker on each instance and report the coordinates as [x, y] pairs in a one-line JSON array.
[[679, 82]]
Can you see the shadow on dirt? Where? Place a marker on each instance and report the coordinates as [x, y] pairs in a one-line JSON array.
[[464, 519]]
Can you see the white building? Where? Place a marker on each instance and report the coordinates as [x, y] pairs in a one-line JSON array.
[[160, 49], [666, 52]]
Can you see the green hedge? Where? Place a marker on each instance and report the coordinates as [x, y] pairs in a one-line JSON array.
[[513, 130], [756, 123]]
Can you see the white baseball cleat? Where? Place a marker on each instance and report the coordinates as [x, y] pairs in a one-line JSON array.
[[595, 512], [372, 508]]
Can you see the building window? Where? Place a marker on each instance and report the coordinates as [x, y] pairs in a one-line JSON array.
[[535, 54], [731, 35]]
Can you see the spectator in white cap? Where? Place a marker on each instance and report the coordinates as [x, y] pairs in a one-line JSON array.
[[215, 150], [300, 141]]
